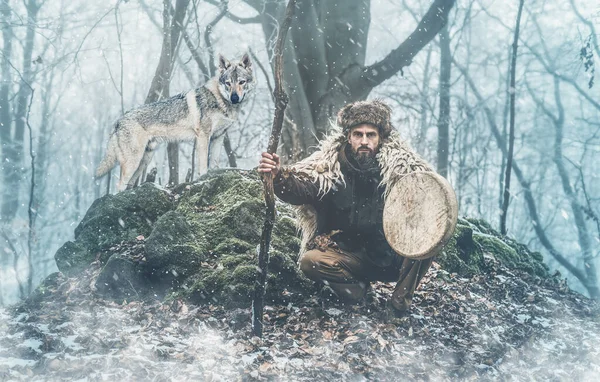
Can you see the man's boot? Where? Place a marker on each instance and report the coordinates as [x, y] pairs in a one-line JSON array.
[[402, 297], [351, 293]]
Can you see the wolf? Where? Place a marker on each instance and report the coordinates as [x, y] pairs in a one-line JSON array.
[[203, 114]]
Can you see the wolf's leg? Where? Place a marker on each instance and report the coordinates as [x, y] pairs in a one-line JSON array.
[[214, 151], [202, 141], [148, 154], [129, 166], [132, 151]]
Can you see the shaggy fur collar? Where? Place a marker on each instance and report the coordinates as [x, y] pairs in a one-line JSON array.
[[396, 159]]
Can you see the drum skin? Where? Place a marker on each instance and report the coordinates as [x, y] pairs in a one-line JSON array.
[[420, 215]]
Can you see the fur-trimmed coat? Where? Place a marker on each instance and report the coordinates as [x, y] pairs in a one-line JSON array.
[[395, 157]]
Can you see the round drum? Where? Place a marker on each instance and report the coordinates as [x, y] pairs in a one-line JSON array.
[[420, 215]]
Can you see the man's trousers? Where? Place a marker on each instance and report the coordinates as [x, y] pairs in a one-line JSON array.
[[349, 274]]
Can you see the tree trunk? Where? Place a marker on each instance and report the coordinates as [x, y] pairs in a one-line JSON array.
[[324, 64], [589, 265], [576, 208], [538, 226], [13, 148], [444, 118], [505, 113], [229, 151], [159, 89], [511, 134], [421, 142], [5, 115]]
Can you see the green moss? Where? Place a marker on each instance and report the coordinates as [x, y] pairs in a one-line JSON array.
[[281, 263], [122, 217], [225, 206], [481, 226], [505, 250], [226, 210], [461, 255], [233, 245], [537, 256], [233, 261], [173, 250], [245, 274], [501, 251], [512, 254], [285, 234], [73, 258]]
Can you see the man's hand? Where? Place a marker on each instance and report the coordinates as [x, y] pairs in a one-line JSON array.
[[269, 163]]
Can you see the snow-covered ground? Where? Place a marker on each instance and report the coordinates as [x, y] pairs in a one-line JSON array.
[[502, 326]]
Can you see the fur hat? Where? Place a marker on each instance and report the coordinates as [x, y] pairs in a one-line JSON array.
[[376, 113]]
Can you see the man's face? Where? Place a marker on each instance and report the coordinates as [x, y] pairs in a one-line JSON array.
[[364, 140]]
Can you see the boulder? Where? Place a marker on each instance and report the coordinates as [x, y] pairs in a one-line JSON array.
[[199, 242], [473, 239], [174, 250], [110, 220], [123, 278]]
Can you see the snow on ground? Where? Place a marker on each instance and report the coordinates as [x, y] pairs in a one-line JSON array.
[[500, 326]]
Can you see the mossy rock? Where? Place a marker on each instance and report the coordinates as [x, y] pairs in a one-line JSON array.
[[110, 220], [173, 250], [73, 258], [228, 205], [233, 245], [462, 255], [473, 238], [46, 288], [123, 279], [232, 284], [202, 246], [122, 217], [232, 261], [285, 232], [512, 256], [225, 211]]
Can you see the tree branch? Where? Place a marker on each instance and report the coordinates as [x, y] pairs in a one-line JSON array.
[[590, 26], [208, 43], [240, 20], [530, 201], [431, 23], [32, 210]]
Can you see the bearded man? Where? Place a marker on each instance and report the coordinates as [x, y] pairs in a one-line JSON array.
[[340, 190]]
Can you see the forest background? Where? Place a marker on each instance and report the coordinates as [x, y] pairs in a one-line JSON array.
[[69, 69]]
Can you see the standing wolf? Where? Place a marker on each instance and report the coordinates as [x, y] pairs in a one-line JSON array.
[[201, 114]]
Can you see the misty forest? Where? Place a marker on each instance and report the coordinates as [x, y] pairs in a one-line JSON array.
[[165, 280]]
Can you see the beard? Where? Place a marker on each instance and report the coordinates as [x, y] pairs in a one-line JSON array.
[[364, 157]]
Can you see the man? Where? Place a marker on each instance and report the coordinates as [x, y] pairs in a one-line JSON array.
[[341, 190]]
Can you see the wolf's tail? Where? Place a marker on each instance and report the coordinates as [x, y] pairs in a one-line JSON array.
[[110, 159]]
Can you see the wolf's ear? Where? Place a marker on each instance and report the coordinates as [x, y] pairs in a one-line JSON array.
[[223, 63], [245, 62]]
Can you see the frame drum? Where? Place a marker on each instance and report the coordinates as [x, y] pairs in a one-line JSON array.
[[420, 215]]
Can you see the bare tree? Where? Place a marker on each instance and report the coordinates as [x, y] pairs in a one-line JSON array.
[[6, 117], [511, 137], [325, 59], [159, 89], [577, 209], [13, 140], [530, 200], [444, 117]]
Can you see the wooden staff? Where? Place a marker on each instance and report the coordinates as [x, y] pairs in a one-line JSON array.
[[281, 101]]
